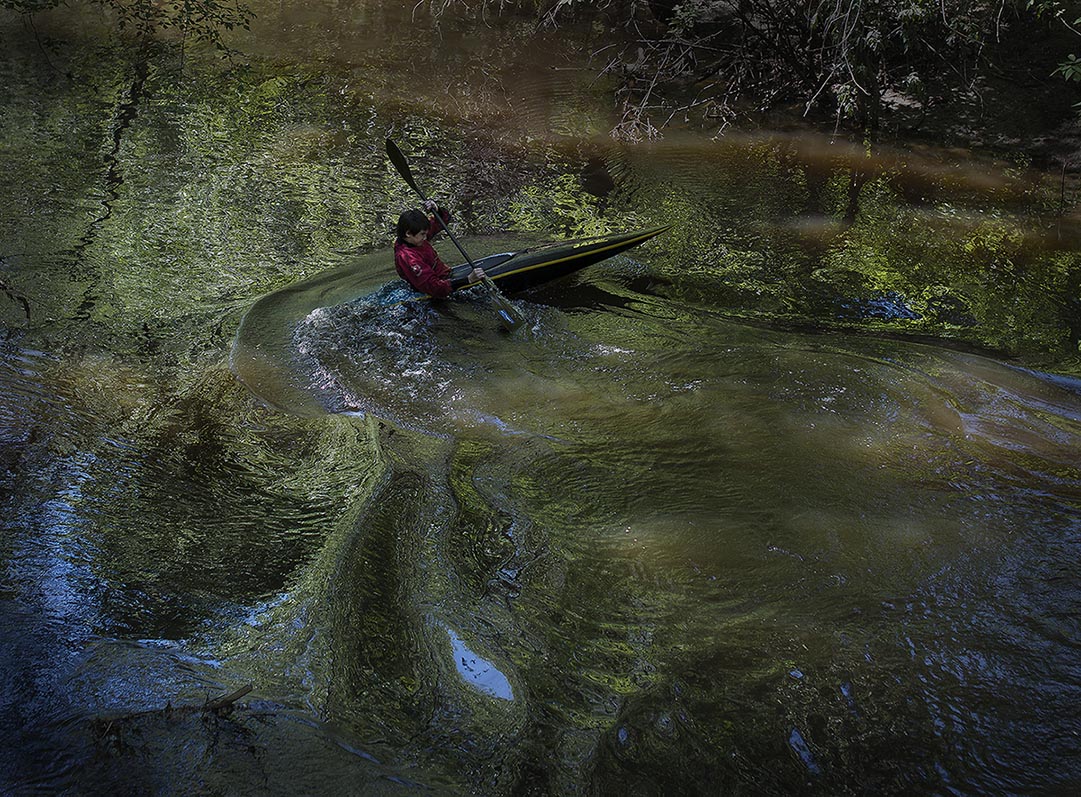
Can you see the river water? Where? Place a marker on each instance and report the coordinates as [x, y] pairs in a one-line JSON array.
[[786, 500]]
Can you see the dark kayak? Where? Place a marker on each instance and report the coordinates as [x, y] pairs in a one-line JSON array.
[[527, 268]]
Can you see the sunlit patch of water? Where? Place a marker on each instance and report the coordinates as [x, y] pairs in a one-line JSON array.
[[477, 671]]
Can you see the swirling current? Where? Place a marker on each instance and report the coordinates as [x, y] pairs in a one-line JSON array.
[[785, 500]]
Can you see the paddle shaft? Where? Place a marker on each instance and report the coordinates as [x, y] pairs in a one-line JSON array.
[[509, 316], [486, 279]]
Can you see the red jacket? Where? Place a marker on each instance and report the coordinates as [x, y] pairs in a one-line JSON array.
[[421, 267]]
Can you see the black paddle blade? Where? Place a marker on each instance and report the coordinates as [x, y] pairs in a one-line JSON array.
[[402, 165]]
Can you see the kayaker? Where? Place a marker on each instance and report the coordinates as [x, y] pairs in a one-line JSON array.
[[415, 258]]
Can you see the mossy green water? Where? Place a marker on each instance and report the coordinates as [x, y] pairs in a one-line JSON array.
[[782, 500]]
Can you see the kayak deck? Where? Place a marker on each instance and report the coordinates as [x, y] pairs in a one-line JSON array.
[[527, 268]]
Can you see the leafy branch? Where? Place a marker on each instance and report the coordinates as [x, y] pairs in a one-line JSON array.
[[201, 20], [849, 60]]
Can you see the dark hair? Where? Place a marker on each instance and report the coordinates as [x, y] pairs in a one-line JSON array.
[[411, 222]]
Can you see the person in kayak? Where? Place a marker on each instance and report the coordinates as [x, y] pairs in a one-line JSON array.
[[416, 260]]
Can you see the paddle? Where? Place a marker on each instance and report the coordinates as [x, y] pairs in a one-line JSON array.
[[509, 317]]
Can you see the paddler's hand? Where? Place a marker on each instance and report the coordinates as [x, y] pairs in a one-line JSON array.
[[476, 275]]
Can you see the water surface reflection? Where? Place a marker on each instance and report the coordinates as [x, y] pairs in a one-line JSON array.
[[715, 520]]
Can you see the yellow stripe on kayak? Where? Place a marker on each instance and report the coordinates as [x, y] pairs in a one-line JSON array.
[[545, 263]]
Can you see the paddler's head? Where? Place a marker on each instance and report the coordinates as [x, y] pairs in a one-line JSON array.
[[413, 227]]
